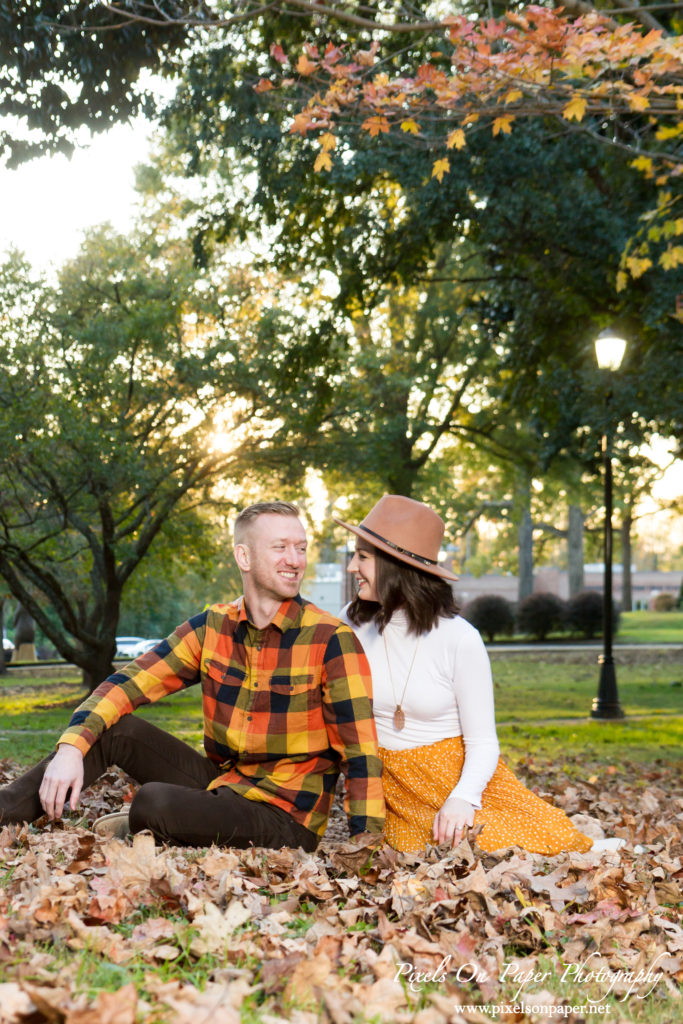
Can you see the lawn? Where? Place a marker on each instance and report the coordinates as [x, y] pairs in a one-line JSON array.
[[651, 628], [543, 701]]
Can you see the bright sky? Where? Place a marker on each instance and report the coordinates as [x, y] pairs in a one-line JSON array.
[[46, 204]]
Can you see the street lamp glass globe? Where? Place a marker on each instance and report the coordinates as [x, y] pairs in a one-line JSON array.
[[609, 350]]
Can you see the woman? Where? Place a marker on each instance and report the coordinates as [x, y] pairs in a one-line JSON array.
[[433, 696]]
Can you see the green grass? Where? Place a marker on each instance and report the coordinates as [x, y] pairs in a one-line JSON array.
[[34, 711], [531, 689], [543, 703], [651, 628]]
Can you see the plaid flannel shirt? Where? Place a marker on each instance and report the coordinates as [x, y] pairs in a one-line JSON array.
[[285, 708]]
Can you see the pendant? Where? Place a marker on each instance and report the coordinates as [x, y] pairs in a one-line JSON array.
[[399, 718]]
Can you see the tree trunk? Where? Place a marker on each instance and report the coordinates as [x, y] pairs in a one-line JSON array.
[[96, 667], [525, 534], [575, 550], [626, 580]]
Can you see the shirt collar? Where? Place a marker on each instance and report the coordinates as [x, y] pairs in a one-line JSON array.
[[286, 617]]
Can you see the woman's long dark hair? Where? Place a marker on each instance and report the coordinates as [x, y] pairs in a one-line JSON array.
[[424, 598]]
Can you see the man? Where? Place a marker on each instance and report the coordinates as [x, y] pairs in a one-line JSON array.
[[287, 705]]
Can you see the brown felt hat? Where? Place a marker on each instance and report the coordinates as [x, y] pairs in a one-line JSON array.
[[406, 529]]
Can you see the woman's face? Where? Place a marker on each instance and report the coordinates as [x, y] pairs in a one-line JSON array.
[[363, 565]]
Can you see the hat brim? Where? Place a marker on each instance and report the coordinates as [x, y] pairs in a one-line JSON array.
[[377, 542]]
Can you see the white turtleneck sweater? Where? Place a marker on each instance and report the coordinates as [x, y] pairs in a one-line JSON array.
[[449, 692]]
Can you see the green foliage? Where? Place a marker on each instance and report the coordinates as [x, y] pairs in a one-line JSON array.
[[540, 614], [112, 402], [56, 78], [584, 614], [490, 614]]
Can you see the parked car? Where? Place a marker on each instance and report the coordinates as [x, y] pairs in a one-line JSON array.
[[126, 645], [144, 646]]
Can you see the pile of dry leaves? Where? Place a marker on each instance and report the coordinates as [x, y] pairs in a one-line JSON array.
[[348, 934]]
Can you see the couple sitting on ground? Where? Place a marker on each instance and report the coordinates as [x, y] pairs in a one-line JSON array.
[[288, 705]]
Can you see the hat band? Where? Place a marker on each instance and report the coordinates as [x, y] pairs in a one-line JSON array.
[[395, 547]]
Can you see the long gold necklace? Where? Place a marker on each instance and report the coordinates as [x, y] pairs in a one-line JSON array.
[[399, 715]]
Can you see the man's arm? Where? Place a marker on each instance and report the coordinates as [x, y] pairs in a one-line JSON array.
[[347, 709], [170, 666]]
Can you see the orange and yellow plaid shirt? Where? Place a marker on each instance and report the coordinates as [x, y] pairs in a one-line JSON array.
[[286, 708]]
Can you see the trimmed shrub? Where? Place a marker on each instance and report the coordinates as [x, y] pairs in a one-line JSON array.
[[584, 614], [664, 603], [490, 614], [540, 614]]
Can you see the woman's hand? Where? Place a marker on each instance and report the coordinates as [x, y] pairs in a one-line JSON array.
[[64, 773], [451, 821]]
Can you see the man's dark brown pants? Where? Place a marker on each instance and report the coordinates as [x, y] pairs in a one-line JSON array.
[[173, 800]]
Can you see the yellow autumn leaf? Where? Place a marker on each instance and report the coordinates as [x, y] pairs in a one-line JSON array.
[[512, 95], [575, 109], [456, 139], [678, 226], [637, 101], [440, 168], [622, 280], [503, 124], [410, 126], [668, 131], [672, 257], [328, 141], [638, 265], [323, 162], [643, 163]]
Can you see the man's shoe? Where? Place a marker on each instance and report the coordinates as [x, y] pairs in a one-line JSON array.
[[113, 826]]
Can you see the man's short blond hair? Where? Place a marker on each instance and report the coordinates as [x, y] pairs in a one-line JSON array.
[[249, 515]]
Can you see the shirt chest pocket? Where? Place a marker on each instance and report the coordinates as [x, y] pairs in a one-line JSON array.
[[291, 694]]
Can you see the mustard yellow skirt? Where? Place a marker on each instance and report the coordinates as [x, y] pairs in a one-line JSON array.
[[418, 781]]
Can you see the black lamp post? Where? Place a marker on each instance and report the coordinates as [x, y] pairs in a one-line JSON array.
[[609, 349]]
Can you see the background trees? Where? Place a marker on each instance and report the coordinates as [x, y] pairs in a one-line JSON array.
[[387, 328], [119, 384]]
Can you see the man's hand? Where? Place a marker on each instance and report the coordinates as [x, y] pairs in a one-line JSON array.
[[451, 821], [64, 773]]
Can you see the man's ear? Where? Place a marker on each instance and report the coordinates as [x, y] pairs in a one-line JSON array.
[[242, 557]]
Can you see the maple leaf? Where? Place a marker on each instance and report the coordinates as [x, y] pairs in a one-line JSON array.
[[575, 109], [410, 126], [644, 164], [512, 95], [263, 85], [456, 139], [304, 66], [637, 265], [323, 162], [672, 257], [503, 124], [440, 168], [375, 125], [328, 141], [637, 101], [278, 54], [301, 123]]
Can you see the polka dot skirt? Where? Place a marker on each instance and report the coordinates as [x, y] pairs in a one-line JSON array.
[[418, 781]]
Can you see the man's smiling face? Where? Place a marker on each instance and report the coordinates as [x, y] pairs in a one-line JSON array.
[[276, 550]]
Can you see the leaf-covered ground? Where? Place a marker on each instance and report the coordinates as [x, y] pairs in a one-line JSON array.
[[108, 932]]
